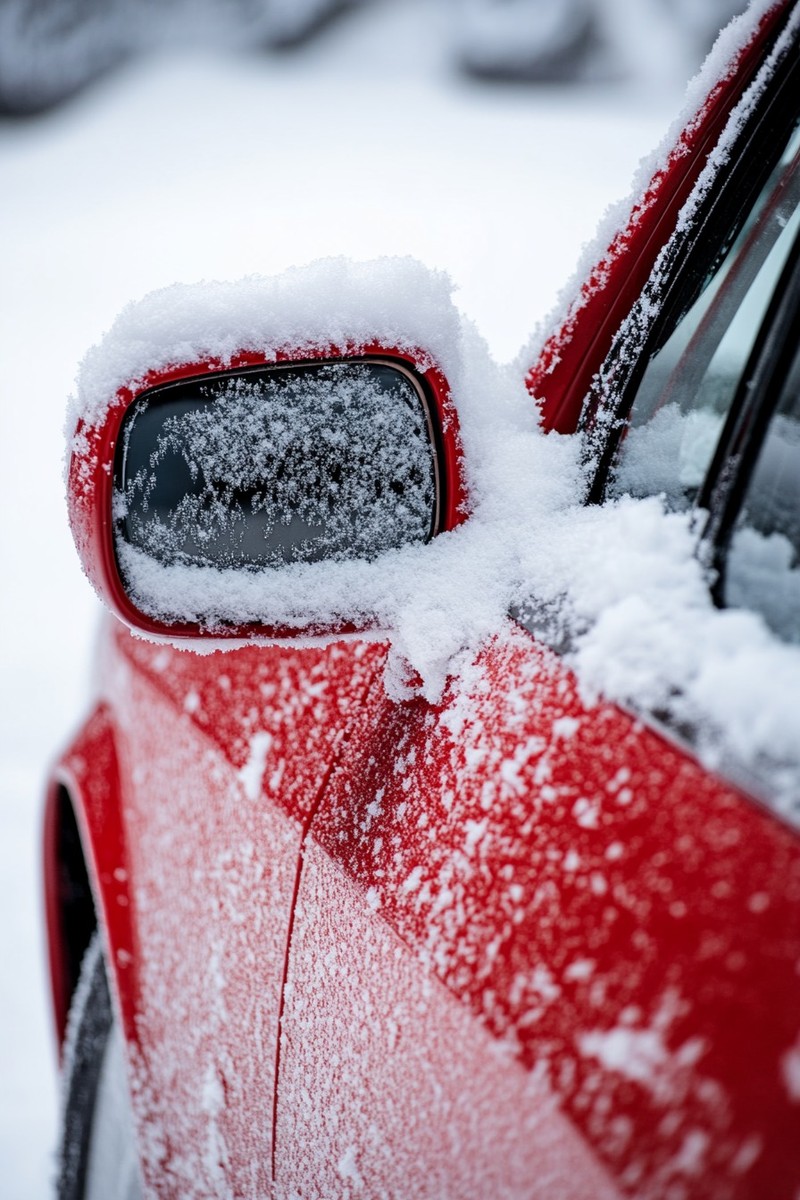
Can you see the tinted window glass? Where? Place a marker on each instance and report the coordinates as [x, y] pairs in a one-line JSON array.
[[689, 385], [763, 565], [291, 464]]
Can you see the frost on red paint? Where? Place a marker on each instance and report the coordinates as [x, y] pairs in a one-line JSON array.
[[225, 757], [621, 921], [430, 920]]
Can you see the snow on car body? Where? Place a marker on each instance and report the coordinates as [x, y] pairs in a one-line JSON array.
[[478, 905]]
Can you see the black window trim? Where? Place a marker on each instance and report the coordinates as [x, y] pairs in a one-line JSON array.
[[758, 394], [686, 262]]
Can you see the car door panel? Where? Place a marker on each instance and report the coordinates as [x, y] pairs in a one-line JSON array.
[[274, 706], [220, 781], [389, 1087], [616, 917]]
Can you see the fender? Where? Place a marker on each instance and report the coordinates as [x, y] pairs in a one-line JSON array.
[[83, 816]]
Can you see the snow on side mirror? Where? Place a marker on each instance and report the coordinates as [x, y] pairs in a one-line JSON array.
[[252, 497]]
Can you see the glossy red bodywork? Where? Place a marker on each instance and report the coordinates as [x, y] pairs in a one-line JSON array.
[[91, 482], [90, 773], [525, 921], [623, 920], [513, 944]]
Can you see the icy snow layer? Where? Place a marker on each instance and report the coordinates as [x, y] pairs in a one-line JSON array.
[[651, 637], [400, 1055], [630, 595]]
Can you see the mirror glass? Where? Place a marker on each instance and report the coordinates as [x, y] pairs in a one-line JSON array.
[[267, 466]]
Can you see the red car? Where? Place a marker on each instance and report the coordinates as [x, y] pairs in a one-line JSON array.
[[354, 887]]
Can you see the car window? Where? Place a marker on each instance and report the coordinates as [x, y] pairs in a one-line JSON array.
[[690, 383], [763, 564]]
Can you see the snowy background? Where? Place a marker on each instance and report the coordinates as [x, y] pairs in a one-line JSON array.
[[367, 141]]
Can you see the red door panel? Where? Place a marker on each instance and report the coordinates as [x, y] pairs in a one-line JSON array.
[[275, 713], [219, 779], [624, 925], [389, 1087]]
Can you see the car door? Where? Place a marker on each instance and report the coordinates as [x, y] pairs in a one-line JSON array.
[[536, 952], [222, 759], [539, 949]]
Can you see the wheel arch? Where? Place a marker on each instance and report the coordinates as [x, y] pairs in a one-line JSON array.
[[86, 870]]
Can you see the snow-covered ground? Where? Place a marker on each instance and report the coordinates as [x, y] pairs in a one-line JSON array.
[[367, 142]]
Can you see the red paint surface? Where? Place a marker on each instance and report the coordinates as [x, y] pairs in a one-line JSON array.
[[556, 873], [568, 878], [390, 1087], [90, 772], [225, 758]]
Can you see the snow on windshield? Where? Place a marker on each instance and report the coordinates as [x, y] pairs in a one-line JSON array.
[[669, 455], [764, 567]]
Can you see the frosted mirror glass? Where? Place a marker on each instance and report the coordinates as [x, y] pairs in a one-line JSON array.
[[264, 467]]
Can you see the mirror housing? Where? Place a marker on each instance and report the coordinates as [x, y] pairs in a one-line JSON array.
[[127, 510]]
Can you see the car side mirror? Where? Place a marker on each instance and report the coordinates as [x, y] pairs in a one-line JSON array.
[[207, 487]]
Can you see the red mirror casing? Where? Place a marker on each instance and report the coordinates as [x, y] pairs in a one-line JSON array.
[[91, 472]]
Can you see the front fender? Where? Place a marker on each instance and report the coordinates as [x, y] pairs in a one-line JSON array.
[[85, 795]]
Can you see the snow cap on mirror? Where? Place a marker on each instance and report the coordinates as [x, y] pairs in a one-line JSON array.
[[333, 302]]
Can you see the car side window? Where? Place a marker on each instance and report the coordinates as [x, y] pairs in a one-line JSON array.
[[762, 571], [690, 383]]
